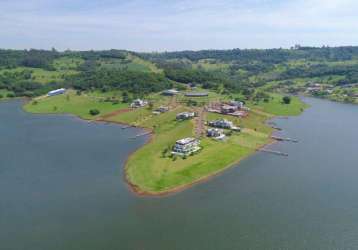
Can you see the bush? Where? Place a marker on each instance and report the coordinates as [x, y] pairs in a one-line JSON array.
[[286, 100], [1, 96], [125, 97], [10, 95], [28, 94], [164, 152], [94, 112], [229, 133], [192, 103]]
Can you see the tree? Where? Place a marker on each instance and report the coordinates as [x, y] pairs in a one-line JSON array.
[[150, 105], [164, 152], [174, 158], [94, 112], [286, 99], [125, 97]]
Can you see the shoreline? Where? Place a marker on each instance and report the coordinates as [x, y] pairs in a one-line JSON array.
[[172, 191], [135, 189]]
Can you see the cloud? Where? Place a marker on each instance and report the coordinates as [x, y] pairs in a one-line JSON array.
[[175, 25]]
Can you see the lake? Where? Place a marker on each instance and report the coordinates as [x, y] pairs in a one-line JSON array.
[[62, 187]]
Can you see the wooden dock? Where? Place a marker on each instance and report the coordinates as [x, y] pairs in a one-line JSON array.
[[141, 134], [278, 138], [128, 126], [274, 125], [272, 152]]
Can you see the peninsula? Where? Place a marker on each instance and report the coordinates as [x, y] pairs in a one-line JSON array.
[[155, 168]]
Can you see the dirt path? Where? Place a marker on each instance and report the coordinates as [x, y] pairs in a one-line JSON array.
[[114, 113], [200, 122], [260, 112], [173, 102]]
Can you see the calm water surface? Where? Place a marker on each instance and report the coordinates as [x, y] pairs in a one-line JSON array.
[[61, 188]]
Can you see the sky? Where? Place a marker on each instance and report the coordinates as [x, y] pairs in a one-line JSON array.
[[164, 25]]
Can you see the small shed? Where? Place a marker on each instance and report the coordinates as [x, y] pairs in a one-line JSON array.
[[170, 92], [197, 94], [56, 92]]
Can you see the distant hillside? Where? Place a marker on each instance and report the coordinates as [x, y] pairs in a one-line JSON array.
[[34, 72]]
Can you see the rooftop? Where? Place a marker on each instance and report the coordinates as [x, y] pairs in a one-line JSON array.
[[185, 141], [170, 91], [197, 94]]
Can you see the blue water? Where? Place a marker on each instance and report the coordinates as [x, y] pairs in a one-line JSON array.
[[61, 187]]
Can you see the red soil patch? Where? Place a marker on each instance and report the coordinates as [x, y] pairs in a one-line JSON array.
[[114, 113]]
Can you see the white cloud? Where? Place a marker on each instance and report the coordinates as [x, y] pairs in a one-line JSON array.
[[175, 25]]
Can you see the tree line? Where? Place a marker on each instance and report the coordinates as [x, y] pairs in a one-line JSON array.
[[246, 70]]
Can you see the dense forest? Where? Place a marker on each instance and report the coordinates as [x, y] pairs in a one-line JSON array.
[[34, 72]]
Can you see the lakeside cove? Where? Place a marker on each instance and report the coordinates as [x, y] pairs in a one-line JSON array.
[[62, 188], [152, 169]]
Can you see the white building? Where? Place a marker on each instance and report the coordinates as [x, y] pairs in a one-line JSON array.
[[170, 92], [237, 104], [56, 92], [161, 109], [138, 103], [221, 123], [215, 133], [185, 115], [186, 146]]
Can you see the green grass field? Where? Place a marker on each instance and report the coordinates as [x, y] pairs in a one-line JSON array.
[[213, 65], [131, 62], [41, 75], [72, 104], [276, 107], [67, 63]]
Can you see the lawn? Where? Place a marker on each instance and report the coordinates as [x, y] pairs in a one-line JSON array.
[[73, 104], [276, 107], [131, 62], [139, 61], [67, 63], [41, 75], [211, 65], [200, 100]]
